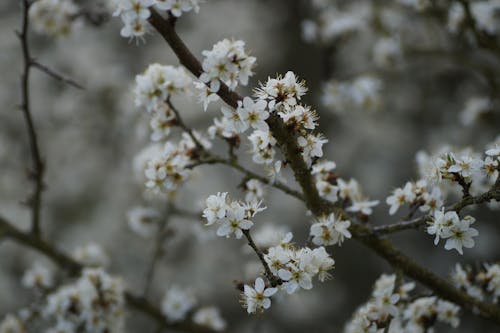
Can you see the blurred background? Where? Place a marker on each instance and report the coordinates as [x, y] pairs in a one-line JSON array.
[[426, 75]]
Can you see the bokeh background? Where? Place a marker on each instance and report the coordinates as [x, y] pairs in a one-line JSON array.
[[89, 140]]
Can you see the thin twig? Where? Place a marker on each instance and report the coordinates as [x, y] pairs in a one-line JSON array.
[[55, 75], [38, 166], [270, 276]]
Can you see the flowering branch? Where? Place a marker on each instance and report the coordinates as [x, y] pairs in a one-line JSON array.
[[312, 199], [73, 268]]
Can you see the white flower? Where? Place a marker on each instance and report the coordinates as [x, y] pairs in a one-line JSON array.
[[91, 255], [177, 303], [299, 117], [328, 230], [441, 223], [254, 190], [177, 7], [311, 146], [38, 276], [475, 107], [143, 221], [448, 313], [210, 317], [262, 150], [400, 196], [460, 235], [216, 207], [387, 52], [257, 298], [432, 201], [253, 113], [493, 276], [363, 206], [465, 165], [295, 278], [234, 222]]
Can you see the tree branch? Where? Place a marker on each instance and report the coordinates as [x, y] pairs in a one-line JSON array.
[[314, 202], [72, 267]]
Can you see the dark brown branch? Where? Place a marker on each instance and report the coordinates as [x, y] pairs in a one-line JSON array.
[[37, 171], [72, 267], [314, 202], [274, 280]]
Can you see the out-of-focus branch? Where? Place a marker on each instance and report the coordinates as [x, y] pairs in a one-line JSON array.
[[72, 267], [312, 199], [56, 75], [37, 170]]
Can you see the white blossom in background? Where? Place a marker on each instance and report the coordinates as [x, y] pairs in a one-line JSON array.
[[362, 93], [474, 108], [257, 298], [387, 52], [177, 303], [254, 190], [12, 324], [228, 62], [178, 7], [38, 276], [464, 279], [143, 221], [269, 235], [484, 13], [262, 147], [329, 230], [457, 232], [210, 317], [492, 276], [418, 5], [400, 196], [93, 303], [161, 122], [53, 17], [363, 206], [332, 23], [157, 84], [91, 254]]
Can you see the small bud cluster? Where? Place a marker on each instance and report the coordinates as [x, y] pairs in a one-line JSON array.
[[482, 283], [233, 217], [93, 303], [362, 93], [135, 13], [53, 17], [391, 309]]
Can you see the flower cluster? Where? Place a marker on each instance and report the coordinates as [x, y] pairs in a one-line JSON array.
[[168, 169], [362, 93], [93, 303], [228, 62], [53, 17], [457, 232], [296, 267], [233, 217], [463, 167], [391, 309], [157, 84], [135, 13], [329, 230], [479, 283], [416, 194], [387, 52]]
